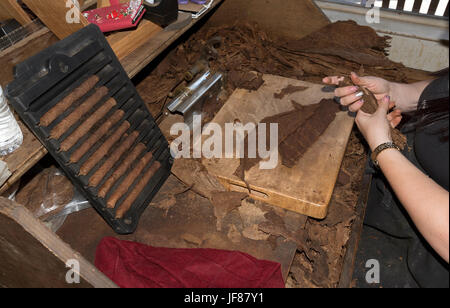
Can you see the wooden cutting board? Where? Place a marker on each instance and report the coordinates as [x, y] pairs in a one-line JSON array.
[[307, 187]]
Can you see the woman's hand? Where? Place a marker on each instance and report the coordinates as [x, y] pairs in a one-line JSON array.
[[352, 96], [376, 127], [404, 97]]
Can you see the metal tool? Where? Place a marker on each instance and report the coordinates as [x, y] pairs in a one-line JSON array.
[[190, 101], [198, 67]]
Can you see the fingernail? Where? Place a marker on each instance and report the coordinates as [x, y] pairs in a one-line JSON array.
[[387, 98], [354, 89], [359, 94]]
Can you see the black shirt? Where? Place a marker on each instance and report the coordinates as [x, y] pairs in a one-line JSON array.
[[385, 213], [431, 152]]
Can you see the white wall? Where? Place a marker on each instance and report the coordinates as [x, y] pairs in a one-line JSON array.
[[415, 39]]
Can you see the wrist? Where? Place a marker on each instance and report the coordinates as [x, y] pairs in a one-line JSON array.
[[386, 152], [382, 148], [406, 96], [386, 155], [376, 143]]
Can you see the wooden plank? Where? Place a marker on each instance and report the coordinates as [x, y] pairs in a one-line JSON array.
[[85, 4], [307, 187], [53, 14], [21, 51], [190, 7], [25, 157], [348, 265], [103, 3], [125, 42], [11, 9], [33, 250], [153, 46], [4, 15]]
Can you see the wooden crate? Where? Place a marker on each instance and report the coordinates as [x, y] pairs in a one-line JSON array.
[[11, 9], [35, 256]]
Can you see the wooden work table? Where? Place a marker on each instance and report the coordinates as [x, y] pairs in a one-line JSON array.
[[151, 41]]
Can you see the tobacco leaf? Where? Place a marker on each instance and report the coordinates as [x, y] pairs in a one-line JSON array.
[[295, 146], [298, 130], [290, 89]]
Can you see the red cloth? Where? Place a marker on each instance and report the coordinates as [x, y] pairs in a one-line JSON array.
[[134, 265]]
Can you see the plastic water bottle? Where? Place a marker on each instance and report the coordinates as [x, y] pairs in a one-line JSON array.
[[11, 136]]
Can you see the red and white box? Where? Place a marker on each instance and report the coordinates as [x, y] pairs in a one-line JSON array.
[[118, 16]]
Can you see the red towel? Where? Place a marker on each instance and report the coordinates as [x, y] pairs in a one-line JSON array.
[[134, 265]]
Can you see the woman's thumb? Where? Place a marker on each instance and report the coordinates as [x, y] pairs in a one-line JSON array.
[[383, 105], [357, 80]]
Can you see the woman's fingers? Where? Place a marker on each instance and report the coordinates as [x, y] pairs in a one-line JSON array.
[[335, 80], [383, 105], [356, 106], [395, 117], [361, 81], [396, 121], [355, 78], [394, 114], [352, 98], [344, 91], [397, 112]]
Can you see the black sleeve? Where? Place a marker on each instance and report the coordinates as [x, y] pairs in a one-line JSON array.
[[431, 152]]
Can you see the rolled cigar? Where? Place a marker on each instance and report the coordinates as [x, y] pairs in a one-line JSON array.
[[86, 126], [129, 180], [75, 115], [98, 176], [121, 170], [67, 101], [128, 202], [104, 149], [96, 136]]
